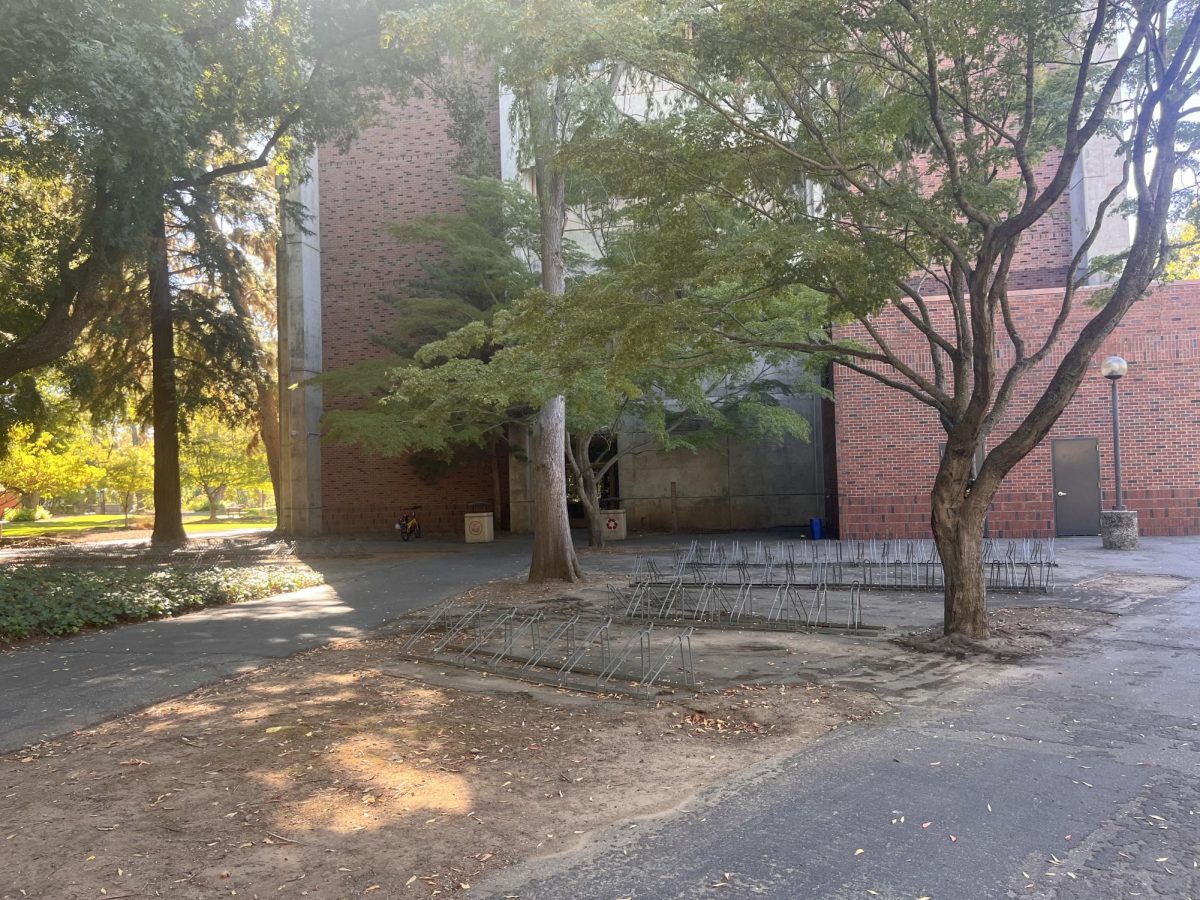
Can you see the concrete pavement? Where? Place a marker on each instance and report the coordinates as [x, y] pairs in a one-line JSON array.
[[54, 687], [1075, 777]]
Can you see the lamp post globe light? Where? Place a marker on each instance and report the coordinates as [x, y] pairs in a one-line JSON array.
[[1114, 369], [1118, 526]]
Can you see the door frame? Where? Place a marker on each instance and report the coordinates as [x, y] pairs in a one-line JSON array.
[[1054, 482]]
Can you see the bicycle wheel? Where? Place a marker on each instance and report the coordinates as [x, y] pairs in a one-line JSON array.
[[404, 533], [417, 530]]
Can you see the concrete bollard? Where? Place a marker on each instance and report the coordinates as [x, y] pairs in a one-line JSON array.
[[1119, 529]]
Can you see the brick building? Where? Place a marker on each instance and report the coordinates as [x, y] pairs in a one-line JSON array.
[[870, 464], [335, 280], [888, 443]]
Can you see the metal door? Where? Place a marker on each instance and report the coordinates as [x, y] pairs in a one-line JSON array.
[[1076, 486]]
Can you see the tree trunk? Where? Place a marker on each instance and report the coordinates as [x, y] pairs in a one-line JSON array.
[[589, 492], [493, 451], [168, 499], [957, 520], [553, 551], [268, 428], [213, 502], [32, 500]]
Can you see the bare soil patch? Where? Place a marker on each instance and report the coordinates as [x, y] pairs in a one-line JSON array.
[[1017, 633], [324, 777]]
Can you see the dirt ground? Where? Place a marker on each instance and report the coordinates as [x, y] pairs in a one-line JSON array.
[[324, 777], [346, 772]]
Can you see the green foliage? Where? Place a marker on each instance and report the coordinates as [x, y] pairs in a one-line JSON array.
[[129, 470], [485, 258], [27, 514], [787, 182], [112, 114], [465, 387], [40, 601], [217, 458], [1185, 265], [41, 464]]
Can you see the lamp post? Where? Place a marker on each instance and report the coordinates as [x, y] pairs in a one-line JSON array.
[[1114, 369], [1118, 526]]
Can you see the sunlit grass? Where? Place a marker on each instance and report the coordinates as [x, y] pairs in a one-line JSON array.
[[67, 526]]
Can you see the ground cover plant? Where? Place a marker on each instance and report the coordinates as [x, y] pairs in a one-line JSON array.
[[41, 601]]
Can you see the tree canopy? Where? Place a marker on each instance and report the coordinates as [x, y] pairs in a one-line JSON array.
[[818, 164]]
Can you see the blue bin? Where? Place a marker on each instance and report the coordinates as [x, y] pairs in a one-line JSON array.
[[817, 529]]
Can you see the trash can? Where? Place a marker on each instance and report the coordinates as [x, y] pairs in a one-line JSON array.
[[479, 528], [614, 524], [817, 528]]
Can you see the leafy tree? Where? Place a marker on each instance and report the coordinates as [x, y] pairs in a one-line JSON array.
[[129, 471], [446, 388], [540, 49], [1186, 264], [40, 466], [218, 459], [822, 163], [154, 112]]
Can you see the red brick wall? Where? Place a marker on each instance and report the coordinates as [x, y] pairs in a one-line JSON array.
[[1045, 251], [888, 442], [394, 172]]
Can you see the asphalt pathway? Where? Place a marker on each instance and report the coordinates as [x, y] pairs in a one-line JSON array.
[[1076, 777], [52, 688]]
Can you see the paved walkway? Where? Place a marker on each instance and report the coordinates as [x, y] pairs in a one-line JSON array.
[[54, 687], [1076, 777]]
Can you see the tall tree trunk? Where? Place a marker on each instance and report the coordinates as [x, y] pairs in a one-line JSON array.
[[554, 556], [214, 501], [268, 429], [32, 500], [493, 451], [553, 551], [168, 498], [957, 520]]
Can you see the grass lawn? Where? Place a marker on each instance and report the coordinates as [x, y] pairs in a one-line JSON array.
[[41, 601], [67, 526], [203, 526]]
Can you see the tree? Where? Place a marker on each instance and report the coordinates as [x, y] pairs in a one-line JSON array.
[[217, 459], [448, 387], [129, 471], [41, 466], [618, 383], [825, 163], [154, 112], [539, 49]]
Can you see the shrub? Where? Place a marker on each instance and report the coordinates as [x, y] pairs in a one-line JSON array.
[[42, 601], [24, 514]]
